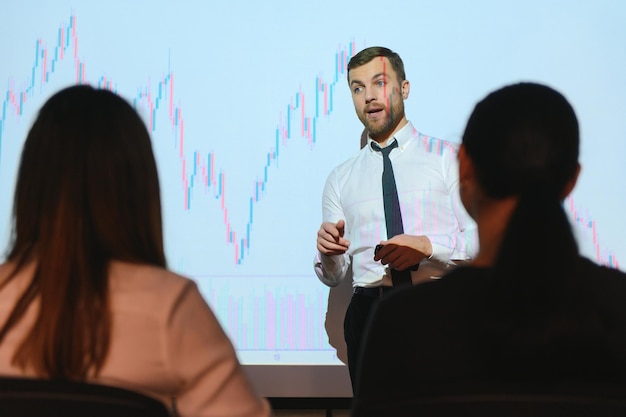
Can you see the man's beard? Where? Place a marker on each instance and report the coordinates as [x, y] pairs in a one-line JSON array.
[[379, 130]]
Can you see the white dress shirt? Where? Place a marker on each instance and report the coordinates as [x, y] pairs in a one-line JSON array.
[[426, 174]]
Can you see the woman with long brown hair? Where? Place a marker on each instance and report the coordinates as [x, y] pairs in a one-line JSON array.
[[85, 293]]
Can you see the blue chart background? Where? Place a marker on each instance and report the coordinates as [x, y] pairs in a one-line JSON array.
[[240, 77]]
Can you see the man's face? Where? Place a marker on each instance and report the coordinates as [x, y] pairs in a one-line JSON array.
[[378, 98]]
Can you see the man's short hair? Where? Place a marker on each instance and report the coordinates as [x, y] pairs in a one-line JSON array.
[[367, 54]]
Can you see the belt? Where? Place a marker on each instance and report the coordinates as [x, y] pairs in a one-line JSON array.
[[376, 292]]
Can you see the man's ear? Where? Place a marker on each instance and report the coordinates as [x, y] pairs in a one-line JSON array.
[[405, 87], [466, 166], [468, 188], [569, 187]]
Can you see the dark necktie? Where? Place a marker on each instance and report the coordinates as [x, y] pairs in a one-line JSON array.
[[393, 216]]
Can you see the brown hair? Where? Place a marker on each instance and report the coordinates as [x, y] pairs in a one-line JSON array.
[[367, 54], [87, 192]]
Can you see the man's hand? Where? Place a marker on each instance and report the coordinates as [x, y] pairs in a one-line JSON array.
[[330, 239], [403, 251]]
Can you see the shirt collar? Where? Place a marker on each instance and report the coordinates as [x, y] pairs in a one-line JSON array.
[[403, 136]]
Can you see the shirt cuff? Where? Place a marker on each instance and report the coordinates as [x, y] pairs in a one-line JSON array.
[[441, 254], [328, 269]]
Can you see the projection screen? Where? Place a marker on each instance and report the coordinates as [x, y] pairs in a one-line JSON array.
[[249, 110]]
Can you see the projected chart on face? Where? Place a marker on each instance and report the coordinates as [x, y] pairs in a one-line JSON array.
[[248, 115]]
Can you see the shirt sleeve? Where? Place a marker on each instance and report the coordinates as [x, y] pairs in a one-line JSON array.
[[462, 243], [331, 270], [202, 358]]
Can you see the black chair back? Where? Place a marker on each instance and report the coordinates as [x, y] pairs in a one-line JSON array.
[[25, 397]]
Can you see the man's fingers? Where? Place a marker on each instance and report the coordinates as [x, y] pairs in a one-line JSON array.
[[329, 248], [330, 235], [341, 226], [332, 231], [330, 239], [397, 257]]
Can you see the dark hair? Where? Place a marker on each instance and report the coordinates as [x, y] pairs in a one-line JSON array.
[[87, 192], [523, 137], [523, 140], [367, 54]]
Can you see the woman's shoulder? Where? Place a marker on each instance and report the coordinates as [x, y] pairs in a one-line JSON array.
[[144, 275], [608, 283], [144, 285], [603, 274]]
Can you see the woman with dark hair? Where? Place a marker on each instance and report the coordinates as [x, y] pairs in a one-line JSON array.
[[529, 307], [84, 293]]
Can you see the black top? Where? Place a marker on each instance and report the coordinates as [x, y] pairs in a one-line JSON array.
[[456, 330]]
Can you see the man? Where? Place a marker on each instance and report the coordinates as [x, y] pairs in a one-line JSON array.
[[436, 229]]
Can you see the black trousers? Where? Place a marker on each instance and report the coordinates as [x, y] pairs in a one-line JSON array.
[[354, 325]]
